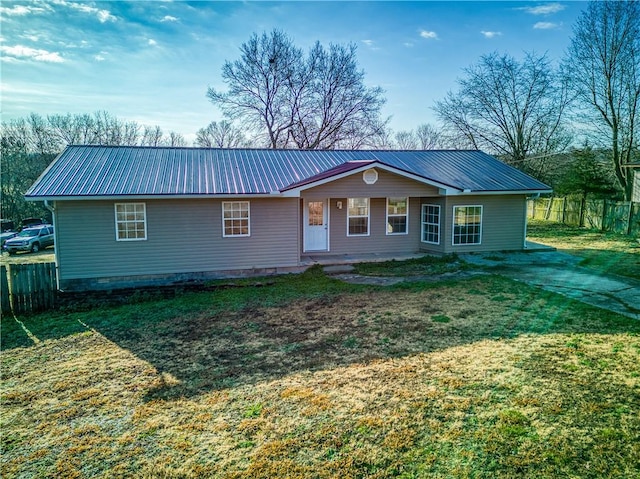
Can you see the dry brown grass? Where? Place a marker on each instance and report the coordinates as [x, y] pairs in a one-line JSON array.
[[520, 383], [45, 256]]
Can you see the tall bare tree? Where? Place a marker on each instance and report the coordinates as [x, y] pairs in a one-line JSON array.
[[261, 84], [603, 64], [510, 108], [317, 101], [335, 103]]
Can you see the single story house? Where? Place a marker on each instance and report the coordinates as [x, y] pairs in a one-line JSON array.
[[128, 216]]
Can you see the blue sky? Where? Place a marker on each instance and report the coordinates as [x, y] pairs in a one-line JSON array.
[[152, 61]]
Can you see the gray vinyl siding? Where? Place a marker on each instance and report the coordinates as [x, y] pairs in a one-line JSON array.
[[503, 222], [388, 185], [183, 236]]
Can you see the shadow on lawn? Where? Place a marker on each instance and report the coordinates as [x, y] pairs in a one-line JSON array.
[[216, 340]]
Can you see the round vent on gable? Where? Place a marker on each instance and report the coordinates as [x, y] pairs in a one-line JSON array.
[[370, 176]]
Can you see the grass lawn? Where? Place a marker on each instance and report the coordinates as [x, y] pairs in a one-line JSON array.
[[308, 377], [608, 252]]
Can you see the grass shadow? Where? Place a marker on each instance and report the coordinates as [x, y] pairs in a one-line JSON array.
[[231, 337]]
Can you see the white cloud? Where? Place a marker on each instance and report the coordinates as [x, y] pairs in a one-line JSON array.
[[545, 26], [105, 16], [546, 9], [488, 34], [21, 52], [102, 15], [102, 56], [20, 10], [408, 44], [31, 36], [368, 43], [428, 34], [169, 18], [152, 42]]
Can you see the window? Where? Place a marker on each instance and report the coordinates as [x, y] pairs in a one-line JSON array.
[[467, 225], [235, 218], [397, 216], [358, 217], [131, 221], [316, 213], [431, 224]]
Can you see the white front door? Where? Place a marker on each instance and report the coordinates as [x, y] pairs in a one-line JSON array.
[[316, 226]]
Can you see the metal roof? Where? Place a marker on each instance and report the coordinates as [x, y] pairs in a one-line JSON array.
[[113, 171]]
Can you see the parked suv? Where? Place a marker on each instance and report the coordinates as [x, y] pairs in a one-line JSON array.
[[30, 239]]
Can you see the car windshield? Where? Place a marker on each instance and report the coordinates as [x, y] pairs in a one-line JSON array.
[[28, 233]]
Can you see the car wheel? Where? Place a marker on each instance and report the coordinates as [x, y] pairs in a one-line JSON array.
[[35, 248]]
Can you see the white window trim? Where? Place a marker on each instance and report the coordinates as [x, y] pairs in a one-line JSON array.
[[453, 225], [115, 214], [224, 235], [406, 215], [423, 223], [368, 217]]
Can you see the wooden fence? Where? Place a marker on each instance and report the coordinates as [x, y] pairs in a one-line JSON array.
[[616, 216], [28, 288]]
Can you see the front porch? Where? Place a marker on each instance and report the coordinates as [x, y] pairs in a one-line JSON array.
[[309, 259]]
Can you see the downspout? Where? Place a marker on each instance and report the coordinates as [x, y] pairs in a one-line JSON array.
[[48, 206]]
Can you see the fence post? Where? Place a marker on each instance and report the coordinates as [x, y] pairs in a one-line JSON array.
[[629, 217], [583, 205], [548, 212], [4, 290], [604, 215]]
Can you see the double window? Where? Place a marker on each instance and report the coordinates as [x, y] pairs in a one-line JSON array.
[[431, 224], [467, 225], [131, 221], [235, 218], [397, 216], [358, 217]]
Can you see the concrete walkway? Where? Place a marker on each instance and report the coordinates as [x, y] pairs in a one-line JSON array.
[[548, 269], [559, 272]]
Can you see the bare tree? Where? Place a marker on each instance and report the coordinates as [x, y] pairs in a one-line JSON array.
[[513, 109], [27, 146], [79, 129], [221, 135], [262, 92], [406, 140], [174, 140], [151, 136], [429, 137], [315, 102], [112, 131], [335, 104], [603, 65]]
